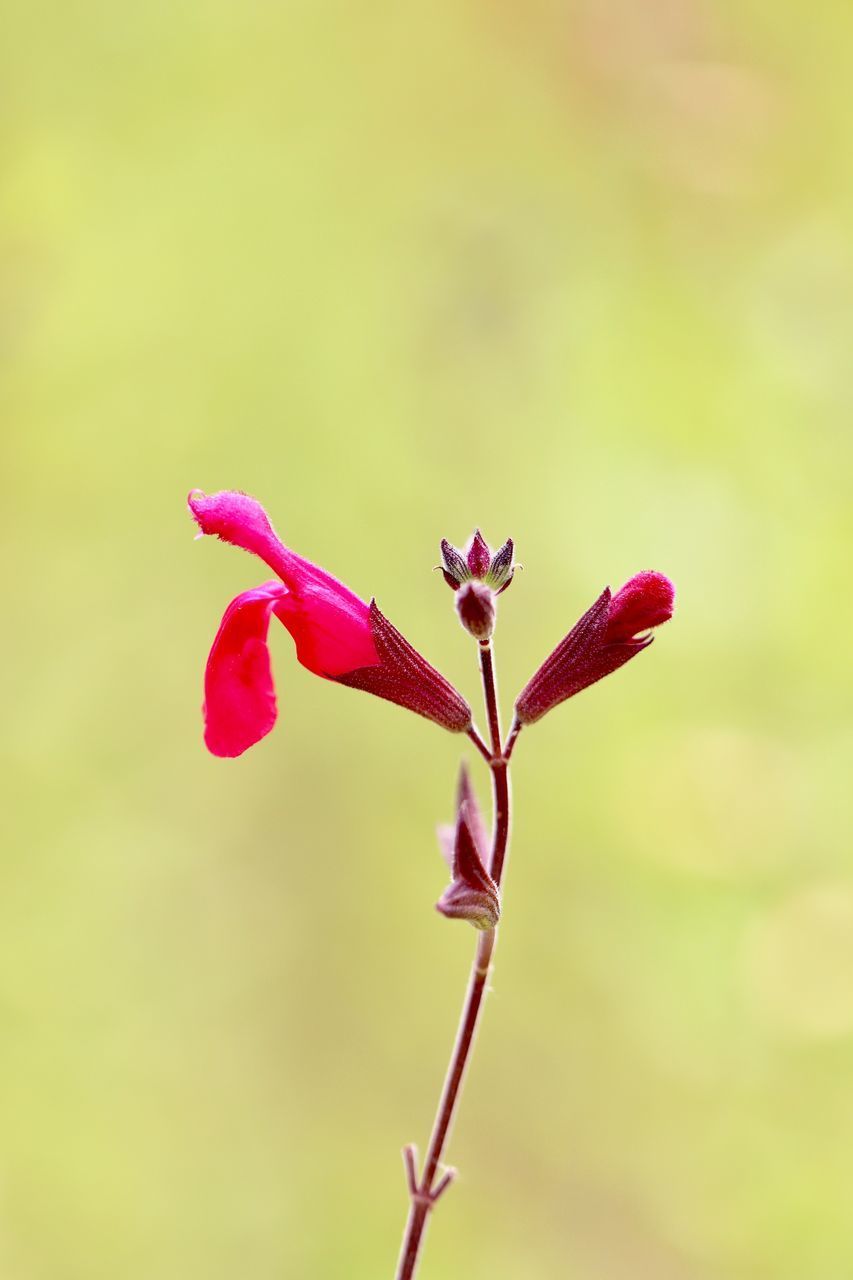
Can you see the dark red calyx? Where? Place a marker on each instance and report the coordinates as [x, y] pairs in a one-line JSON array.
[[404, 676]]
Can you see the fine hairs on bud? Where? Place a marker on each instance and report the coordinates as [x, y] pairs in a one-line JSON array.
[[600, 642], [475, 605]]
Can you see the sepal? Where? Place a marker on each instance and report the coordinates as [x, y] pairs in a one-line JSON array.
[[501, 569], [404, 676], [479, 555]]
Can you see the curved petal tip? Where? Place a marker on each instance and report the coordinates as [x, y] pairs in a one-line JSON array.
[[239, 697]]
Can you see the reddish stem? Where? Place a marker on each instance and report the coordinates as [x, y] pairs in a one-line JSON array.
[[515, 730], [490, 688], [480, 744], [425, 1193], [499, 764]]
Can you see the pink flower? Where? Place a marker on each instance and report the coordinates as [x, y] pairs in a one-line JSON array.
[[605, 638], [337, 636]]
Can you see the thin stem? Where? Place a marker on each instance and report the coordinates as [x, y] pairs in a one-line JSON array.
[[423, 1195], [499, 764], [442, 1185], [515, 730], [490, 689], [410, 1162], [480, 744], [500, 788], [426, 1195], [464, 1040]]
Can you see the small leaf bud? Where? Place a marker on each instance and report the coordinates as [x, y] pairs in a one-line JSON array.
[[476, 608], [462, 901], [472, 894]]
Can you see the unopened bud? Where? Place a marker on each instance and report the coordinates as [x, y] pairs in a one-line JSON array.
[[472, 894], [476, 608], [477, 562], [608, 635], [646, 600]]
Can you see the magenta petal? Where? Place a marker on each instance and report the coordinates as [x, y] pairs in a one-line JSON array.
[[329, 623], [239, 696], [236, 518], [332, 635], [645, 601]]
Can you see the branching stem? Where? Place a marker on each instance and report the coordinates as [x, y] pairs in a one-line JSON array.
[[424, 1192]]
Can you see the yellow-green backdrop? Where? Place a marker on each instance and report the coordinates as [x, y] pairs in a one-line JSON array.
[[580, 273]]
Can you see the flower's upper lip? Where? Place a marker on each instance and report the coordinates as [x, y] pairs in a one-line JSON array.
[[237, 518]]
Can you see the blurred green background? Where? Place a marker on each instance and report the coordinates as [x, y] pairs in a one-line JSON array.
[[580, 273]]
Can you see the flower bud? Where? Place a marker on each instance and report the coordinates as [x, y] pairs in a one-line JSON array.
[[472, 894], [476, 608], [462, 901], [645, 601], [603, 640]]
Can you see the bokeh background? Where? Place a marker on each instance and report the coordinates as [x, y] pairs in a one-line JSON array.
[[580, 273]]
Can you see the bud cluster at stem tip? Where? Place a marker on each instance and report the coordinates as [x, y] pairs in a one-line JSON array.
[[477, 575]]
